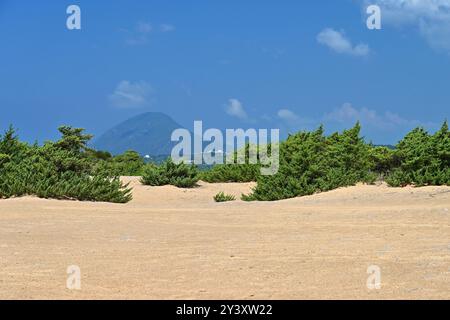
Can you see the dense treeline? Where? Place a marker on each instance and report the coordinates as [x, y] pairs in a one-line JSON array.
[[310, 162]]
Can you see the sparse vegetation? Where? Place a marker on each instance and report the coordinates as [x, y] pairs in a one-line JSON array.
[[169, 173], [222, 197]]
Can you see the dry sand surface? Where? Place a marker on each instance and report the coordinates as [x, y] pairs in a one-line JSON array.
[[170, 243]]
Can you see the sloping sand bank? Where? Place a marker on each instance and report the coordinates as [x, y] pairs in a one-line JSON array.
[[173, 243]]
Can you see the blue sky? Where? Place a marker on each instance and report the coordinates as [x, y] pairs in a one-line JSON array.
[[251, 64]]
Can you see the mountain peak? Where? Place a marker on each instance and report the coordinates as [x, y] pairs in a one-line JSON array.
[[147, 133]]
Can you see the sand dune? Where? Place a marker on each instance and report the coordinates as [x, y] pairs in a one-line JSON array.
[[179, 244]]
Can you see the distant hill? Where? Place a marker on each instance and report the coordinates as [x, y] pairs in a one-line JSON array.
[[147, 133]]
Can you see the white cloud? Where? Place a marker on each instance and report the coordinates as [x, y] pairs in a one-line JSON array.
[[403, 12], [292, 121], [338, 42], [131, 95], [287, 115], [234, 108], [348, 115], [430, 17], [167, 27]]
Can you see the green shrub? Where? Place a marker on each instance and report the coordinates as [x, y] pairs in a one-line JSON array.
[[236, 171], [4, 158], [311, 162], [97, 155], [222, 197], [59, 170], [130, 163], [168, 173], [231, 173], [382, 160], [422, 159]]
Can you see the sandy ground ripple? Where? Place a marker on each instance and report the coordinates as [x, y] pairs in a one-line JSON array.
[[170, 243]]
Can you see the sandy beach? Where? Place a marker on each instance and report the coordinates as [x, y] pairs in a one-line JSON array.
[[171, 243]]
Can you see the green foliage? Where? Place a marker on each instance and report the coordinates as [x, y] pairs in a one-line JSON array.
[[169, 173], [422, 159], [382, 160], [311, 162], [129, 163], [59, 170], [222, 197], [10, 146], [73, 139], [4, 158], [97, 155], [243, 171]]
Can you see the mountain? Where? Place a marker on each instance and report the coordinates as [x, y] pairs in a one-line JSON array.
[[148, 133]]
